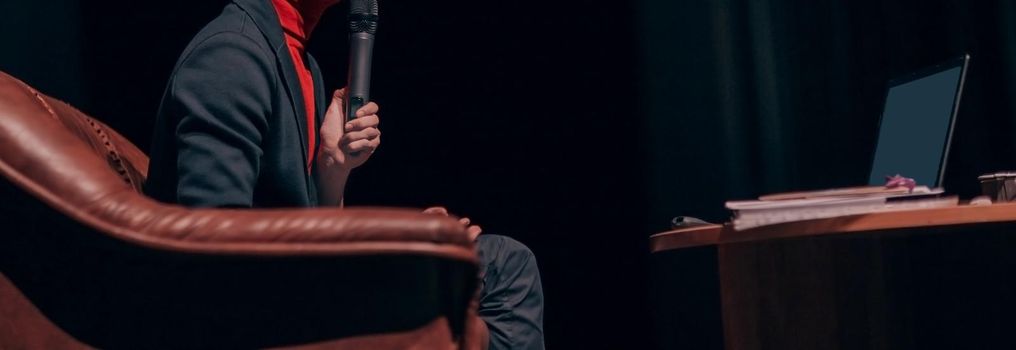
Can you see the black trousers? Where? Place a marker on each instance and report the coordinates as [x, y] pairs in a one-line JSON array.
[[511, 296]]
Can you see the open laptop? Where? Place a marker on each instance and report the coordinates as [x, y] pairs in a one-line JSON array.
[[915, 130], [917, 123]]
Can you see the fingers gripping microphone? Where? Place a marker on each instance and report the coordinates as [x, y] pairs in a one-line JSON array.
[[363, 16]]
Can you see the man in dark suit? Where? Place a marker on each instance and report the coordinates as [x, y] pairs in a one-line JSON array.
[[243, 124]]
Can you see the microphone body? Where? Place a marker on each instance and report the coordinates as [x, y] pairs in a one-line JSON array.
[[363, 16]]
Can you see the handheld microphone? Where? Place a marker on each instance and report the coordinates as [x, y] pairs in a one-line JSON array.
[[363, 16]]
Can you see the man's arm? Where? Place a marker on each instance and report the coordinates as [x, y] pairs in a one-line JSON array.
[[222, 92]]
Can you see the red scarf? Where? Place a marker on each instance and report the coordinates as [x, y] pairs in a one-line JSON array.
[[298, 18]]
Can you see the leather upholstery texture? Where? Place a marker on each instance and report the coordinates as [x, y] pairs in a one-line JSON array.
[[87, 261]]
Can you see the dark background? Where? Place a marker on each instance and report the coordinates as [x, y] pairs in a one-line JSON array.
[[581, 127]]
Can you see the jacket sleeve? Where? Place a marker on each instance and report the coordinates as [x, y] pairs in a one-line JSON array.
[[222, 93]]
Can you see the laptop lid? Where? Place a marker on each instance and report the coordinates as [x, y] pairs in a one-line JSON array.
[[917, 122]]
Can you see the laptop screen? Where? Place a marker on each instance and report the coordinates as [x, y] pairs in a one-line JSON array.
[[917, 120]]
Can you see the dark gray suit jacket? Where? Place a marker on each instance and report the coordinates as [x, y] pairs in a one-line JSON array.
[[231, 129]]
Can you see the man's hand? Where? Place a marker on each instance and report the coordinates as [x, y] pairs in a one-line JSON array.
[[344, 146], [347, 146], [474, 230]]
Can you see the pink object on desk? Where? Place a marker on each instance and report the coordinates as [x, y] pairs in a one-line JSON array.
[[900, 181]]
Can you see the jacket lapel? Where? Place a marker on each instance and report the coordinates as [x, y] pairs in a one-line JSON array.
[[321, 97], [267, 21], [292, 84]]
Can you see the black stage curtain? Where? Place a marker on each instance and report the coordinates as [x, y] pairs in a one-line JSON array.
[[747, 97], [580, 127]]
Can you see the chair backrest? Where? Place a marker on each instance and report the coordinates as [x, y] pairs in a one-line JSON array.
[[77, 239], [47, 145]]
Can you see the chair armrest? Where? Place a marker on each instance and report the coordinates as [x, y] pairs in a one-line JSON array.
[[297, 232]]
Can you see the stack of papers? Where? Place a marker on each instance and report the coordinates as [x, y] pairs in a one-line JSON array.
[[810, 205]]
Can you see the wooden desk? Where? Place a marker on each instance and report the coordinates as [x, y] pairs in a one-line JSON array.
[[921, 279]]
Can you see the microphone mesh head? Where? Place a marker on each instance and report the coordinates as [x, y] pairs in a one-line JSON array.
[[363, 7], [363, 16]]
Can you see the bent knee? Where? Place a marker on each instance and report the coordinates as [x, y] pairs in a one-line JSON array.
[[506, 246], [506, 249]]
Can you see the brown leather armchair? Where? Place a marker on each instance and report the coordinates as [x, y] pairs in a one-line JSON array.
[[86, 260]]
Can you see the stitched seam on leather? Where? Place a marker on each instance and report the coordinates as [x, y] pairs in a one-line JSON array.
[[112, 154], [38, 97]]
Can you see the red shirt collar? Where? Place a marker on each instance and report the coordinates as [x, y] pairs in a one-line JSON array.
[[291, 19], [298, 17]]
